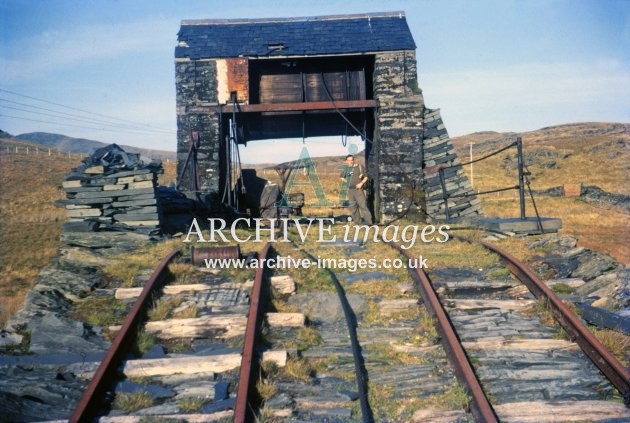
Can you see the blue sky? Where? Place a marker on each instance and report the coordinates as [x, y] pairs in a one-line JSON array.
[[488, 65]]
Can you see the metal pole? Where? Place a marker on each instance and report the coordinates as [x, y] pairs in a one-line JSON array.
[[472, 177], [444, 194], [228, 159], [193, 168], [521, 176]]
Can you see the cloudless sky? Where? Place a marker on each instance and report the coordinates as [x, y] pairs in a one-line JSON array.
[[488, 65]]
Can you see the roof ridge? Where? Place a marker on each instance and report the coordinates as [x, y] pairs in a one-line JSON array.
[[393, 14]]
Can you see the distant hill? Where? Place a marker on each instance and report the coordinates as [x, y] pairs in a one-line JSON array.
[[326, 164], [80, 145], [590, 153], [258, 165], [570, 136]]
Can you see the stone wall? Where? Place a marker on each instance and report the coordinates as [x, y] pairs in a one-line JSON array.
[[411, 143], [196, 86], [408, 141], [395, 161]]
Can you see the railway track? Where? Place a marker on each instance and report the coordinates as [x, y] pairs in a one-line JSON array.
[[516, 365], [370, 363], [377, 345], [211, 379], [512, 363]]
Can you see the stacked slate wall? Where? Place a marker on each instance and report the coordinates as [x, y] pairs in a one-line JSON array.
[[113, 197], [439, 153], [196, 86]]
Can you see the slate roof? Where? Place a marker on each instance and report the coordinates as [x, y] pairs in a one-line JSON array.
[[340, 34]]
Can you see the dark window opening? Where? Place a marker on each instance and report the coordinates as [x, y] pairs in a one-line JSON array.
[[337, 78]]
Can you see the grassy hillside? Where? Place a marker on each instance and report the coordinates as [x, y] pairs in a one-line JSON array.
[[587, 153], [30, 223], [81, 145], [583, 153], [29, 233]]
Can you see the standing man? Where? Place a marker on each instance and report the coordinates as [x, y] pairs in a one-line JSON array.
[[357, 178]]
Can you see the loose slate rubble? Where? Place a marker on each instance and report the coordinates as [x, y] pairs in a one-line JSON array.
[[112, 209], [595, 195], [439, 153], [565, 260], [603, 297], [114, 189], [591, 194]]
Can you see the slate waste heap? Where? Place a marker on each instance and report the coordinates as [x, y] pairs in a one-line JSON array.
[[114, 190]]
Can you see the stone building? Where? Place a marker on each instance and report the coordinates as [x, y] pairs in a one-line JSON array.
[[251, 79]]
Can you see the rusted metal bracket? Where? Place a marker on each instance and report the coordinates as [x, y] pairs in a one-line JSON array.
[[193, 145]]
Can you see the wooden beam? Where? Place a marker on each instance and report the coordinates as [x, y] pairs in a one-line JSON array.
[[286, 107], [220, 326], [188, 365]]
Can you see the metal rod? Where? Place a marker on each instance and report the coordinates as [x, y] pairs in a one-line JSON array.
[[472, 175], [183, 170], [494, 153], [359, 363], [521, 176], [228, 161], [193, 165], [531, 194], [466, 194], [444, 194]]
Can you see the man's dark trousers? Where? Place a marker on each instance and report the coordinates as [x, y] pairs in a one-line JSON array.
[[360, 204]]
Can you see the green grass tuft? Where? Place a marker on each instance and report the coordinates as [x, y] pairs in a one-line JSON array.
[[132, 402], [191, 404]]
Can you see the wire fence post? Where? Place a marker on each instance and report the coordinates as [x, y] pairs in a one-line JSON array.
[[472, 177], [444, 194], [521, 176]]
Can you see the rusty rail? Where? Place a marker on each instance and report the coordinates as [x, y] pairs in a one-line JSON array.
[[599, 355], [90, 401], [243, 412], [479, 406]]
